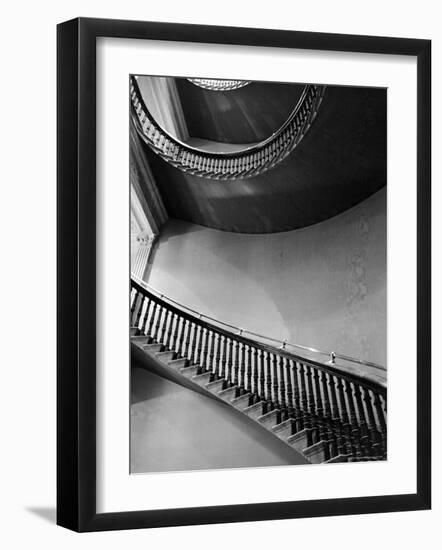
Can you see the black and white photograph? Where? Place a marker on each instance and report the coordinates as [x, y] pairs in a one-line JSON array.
[[258, 281]]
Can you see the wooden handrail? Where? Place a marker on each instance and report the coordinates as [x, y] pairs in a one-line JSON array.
[[243, 163], [343, 411], [282, 343]]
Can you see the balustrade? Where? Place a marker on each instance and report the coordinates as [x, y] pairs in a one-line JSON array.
[[344, 412], [242, 164]]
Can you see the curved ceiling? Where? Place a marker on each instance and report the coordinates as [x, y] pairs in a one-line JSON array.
[[340, 162]]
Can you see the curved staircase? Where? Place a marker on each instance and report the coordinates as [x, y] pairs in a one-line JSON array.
[[319, 411], [248, 162]]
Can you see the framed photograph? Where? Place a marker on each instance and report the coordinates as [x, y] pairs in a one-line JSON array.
[[243, 274]]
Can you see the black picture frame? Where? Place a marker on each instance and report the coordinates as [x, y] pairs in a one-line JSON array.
[[76, 274]]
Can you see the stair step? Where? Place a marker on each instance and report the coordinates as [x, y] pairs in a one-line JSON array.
[[270, 419], [216, 386], [299, 440], [202, 378], [134, 331], [256, 410], [283, 429], [166, 356], [242, 402], [189, 371], [141, 339], [317, 453], [154, 348], [178, 363], [228, 394]]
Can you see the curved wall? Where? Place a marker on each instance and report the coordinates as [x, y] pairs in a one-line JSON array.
[[322, 286]]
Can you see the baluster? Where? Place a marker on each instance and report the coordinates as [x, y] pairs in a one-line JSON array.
[[261, 377], [210, 352], [196, 349], [345, 418], [302, 395], [173, 329], [281, 384], [240, 368], [161, 322], [221, 356], [233, 358], [352, 418], [228, 361], [166, 332], [247, 368], [381, 421], [179, 329], [311, 404], [133, 299], [363, 428], [203, 350], [331, 433], [145, 316], [267, 367], [335, 418], [185, 342], [140, 307], [323, 435], [274, 376], [215, 351], [372, 428], [254, 370], [151, 320], [234, 363], [297, 405], [191, 343], [287, 371]]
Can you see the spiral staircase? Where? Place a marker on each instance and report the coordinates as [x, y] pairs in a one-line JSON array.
[[290, 179]]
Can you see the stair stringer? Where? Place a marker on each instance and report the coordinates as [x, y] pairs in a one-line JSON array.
[[151, 362]]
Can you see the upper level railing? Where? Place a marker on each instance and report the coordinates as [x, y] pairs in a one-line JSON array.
[[218, 85], [245, 163], [342, 411]]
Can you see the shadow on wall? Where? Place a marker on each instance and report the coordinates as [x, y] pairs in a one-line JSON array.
[[323, 286]]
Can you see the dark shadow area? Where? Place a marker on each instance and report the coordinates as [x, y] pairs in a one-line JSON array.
[[340, 162]]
